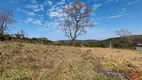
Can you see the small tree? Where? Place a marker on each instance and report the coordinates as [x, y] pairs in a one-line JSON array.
[[123, 33], [23, 34], [18, 36], [76, 20], [126, 34], [6, 17]]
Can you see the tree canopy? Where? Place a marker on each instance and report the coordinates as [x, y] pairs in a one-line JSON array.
[[76, 17]]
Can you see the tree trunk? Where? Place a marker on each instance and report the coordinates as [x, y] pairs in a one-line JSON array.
[[2, 28], [73, 42], [1, 32]]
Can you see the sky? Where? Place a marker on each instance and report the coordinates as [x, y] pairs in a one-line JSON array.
[[38, 18]]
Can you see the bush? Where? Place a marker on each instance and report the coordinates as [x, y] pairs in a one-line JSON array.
[[5, 37]]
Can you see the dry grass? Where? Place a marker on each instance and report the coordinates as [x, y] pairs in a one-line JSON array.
[[46, 62]]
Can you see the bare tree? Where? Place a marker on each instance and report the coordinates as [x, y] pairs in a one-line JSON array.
[[6, 17], [123, 33], [126, 34], [17, 36], [76, 17], [23, 34]]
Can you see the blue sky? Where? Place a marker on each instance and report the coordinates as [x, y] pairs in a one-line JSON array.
[[38, 17]]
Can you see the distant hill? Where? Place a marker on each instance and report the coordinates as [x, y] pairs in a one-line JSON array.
[[134, 38], [118, 42], [125, 42]]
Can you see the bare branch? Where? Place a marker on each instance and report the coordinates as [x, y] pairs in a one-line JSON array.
[[6, 17], [76, 20], [123, 33]]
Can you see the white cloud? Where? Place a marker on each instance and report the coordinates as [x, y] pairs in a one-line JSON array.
[[44, 25], [40, 15], [36, 7], [36, 10], [60, 3], [50, 25], [108, 1], [48, 2], [26, 12], [41, 7], [29, 20], [98, 18], [116, 16], [122, 11], [55, 10], [133, 2], [33, 21], [32, 6], [31, 13], [95, 6], [54, 14], [37, 22], [33, 1]]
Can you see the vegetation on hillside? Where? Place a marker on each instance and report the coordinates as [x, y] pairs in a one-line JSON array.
[[19, 38], [119, 42]]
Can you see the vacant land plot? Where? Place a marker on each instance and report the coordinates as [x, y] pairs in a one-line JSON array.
[[47, 62]]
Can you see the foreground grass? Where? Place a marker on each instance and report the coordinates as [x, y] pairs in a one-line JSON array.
[[46, 62]]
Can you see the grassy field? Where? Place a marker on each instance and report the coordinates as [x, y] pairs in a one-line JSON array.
[[47, 62]]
